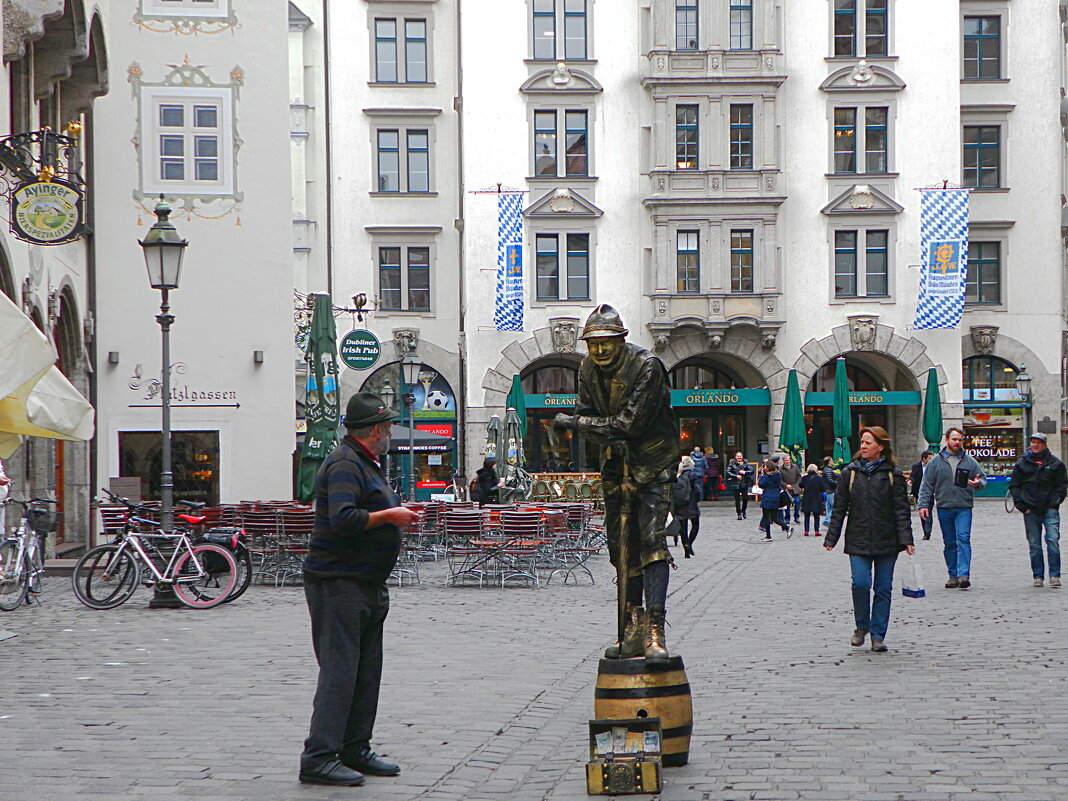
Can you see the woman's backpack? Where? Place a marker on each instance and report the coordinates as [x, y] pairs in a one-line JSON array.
[[681, 491]]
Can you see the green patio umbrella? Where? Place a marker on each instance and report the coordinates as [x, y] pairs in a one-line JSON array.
[[511, 468], [494, 437], [843, 421], [322, 408], [516, 400], [932, 411], [792, 436]]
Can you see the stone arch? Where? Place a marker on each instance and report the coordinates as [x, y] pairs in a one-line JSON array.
[[445, 362], [517, 357], [7, 277], [66, 333]]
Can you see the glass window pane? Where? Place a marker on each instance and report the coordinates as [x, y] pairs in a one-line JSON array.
[[575, 29], [207, 147], [686, 25], [386, 50], [686, 137], [207, 170], [741, 261], [741, 142], [688, 262], [545, 143], [875, 28], [845, 264], [419, 279], [388, 161], [389, 277], [875, 140], [741, 25], [577, 162], [172, 146], [578, 266], [544, 30], [845, 140], [205, 117], [171, 116], [547, 267], [172, 170], [415, 51], [877, 264], [845, 27]]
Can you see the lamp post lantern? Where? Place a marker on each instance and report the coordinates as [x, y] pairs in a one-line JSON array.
[[410, 367], [388, 397], [1023, 387], [164, 250]]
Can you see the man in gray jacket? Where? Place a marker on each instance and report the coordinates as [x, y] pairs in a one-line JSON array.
[[950, 480]]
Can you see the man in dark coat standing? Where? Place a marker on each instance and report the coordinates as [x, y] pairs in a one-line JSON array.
[[915, 480], [1038, 485], [624, 404], [353, 547]]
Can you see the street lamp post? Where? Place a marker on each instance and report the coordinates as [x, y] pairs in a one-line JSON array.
[[1023, 387], [388, 396], [410, 367], [164, 250]]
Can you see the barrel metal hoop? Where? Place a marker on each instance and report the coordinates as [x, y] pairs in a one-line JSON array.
[[626, 693]]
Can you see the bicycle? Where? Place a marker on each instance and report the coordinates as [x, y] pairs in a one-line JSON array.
[[22, 554], [202, 575]]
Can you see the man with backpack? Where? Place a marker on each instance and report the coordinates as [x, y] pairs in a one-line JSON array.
[[700, 469], [684, 506], [1038, 485]]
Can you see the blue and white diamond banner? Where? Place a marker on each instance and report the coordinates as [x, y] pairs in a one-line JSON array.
[[508, 308], [944, 243]]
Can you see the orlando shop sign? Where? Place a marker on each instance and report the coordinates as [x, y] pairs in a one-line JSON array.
[[47, 212], [359, 349]]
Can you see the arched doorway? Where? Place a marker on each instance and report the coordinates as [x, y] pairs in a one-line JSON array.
[[550, 385], [993, 417], [7, 280], [434, 411], [70, 458], [709, 396]]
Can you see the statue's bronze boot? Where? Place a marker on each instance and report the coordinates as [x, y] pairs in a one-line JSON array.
[[656, 652], [633, 636]]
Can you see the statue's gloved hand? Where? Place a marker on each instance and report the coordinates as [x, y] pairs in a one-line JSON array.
[[565, 422]]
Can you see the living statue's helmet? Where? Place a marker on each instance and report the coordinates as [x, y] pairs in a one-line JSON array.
[[604, 321]]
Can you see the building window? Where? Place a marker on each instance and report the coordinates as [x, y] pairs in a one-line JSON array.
[[875, 144], [742, 261], [850, 280], [576, 143], [982, 156], [686, 137], [741, 24], [189, 141], [404, 272], [416, 174], [982, 47], [983, 284], [576, 258], [685, 24], [687, 261], [546, 15], [415, 51], [387, 51], [741, 137], [852, 16]]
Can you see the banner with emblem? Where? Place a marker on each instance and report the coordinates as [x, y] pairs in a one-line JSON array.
[[944, 244], [508, 307]]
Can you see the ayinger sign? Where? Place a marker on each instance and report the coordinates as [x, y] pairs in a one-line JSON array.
[[359, 349], [47, 212]]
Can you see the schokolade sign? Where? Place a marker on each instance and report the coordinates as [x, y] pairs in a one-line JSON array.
[[359, 349], [47, 212]]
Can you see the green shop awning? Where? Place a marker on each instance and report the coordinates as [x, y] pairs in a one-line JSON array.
[[866, 399], [679, 398]]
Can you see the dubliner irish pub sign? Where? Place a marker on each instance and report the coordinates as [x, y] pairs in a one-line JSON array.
[[47, 212]]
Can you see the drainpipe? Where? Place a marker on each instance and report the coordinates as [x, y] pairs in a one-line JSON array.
[[458, 107], [329, 151], [90, 283]]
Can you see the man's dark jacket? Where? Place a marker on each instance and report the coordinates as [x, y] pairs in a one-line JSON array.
[[880, 520], [916, 477], [740, 477], [1039, 482], [349, 486], [627, 409]]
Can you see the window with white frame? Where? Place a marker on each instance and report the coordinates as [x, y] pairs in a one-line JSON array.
[[983, 283], [560, 30], [741, 136], [552, 126], [686, 24], [860, 28], [688, 261], [742, 267], [188, 141], [861, 263], [404, 278], [403, 160], [861, 139], [562, 266], [741, 25], [687, 136], [400, 50]]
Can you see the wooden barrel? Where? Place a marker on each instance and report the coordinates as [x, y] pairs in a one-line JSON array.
[[627, 688]]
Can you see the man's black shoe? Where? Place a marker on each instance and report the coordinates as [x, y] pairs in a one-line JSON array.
[[367, 761], [331, 772]]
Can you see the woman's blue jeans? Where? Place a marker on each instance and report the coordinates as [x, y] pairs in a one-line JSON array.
[[873, 616]]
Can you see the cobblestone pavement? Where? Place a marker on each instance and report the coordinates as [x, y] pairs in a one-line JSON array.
[[487, 692]]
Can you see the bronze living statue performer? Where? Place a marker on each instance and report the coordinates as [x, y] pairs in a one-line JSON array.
[[624, 404]]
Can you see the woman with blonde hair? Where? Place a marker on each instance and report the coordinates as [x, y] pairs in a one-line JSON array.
[[685, 496]]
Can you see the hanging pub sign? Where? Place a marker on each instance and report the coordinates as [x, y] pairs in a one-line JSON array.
[[47, 212], [359, 349]]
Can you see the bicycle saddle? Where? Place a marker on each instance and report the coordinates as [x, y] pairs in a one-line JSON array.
[[192, 520]]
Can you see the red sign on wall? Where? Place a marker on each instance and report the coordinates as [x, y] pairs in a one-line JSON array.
[[432, 484], [441, 429]]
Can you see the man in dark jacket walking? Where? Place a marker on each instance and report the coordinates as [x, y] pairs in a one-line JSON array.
[[791, 480], [353, 547], [1038, 485], [915, 480]]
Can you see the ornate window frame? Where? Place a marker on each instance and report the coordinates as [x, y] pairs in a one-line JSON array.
[[184, 18]]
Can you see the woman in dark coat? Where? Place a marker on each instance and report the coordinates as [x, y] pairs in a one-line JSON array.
[[488, 483], [872, 500], [688, 514], [771, 484], [812, 485]]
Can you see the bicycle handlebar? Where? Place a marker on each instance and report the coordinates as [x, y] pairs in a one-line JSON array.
[[29, 503]]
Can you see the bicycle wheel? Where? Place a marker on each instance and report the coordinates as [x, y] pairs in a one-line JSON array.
[[1010, 504], [212, 583], [13, 583], [244, 574], [105, 578]]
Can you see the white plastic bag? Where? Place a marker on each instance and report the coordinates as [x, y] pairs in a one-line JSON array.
[[912, 578]]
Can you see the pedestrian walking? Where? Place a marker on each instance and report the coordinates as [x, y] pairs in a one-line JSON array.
[[684, 505], [700, 467], [830, 481], [1038, 485], [489, 485], [740, 479], [915, 480], [871, 501], [771, 485], [791, 479], [354, 545], [950, 480], [713, 474], [812, 499]]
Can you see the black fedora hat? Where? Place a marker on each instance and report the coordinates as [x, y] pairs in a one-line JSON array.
[[365, 409]]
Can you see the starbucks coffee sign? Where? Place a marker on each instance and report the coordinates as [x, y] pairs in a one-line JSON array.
[[47, 212]]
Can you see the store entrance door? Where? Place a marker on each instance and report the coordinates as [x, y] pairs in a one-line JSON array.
[[722, 431], [549, 451], [819, 420]]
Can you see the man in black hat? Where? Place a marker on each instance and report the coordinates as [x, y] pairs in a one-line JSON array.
[[624, 403], [1039, 485], [354, 545]]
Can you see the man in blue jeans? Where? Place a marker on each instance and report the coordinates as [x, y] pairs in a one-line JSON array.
[[950, 480], [1038, 485]]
